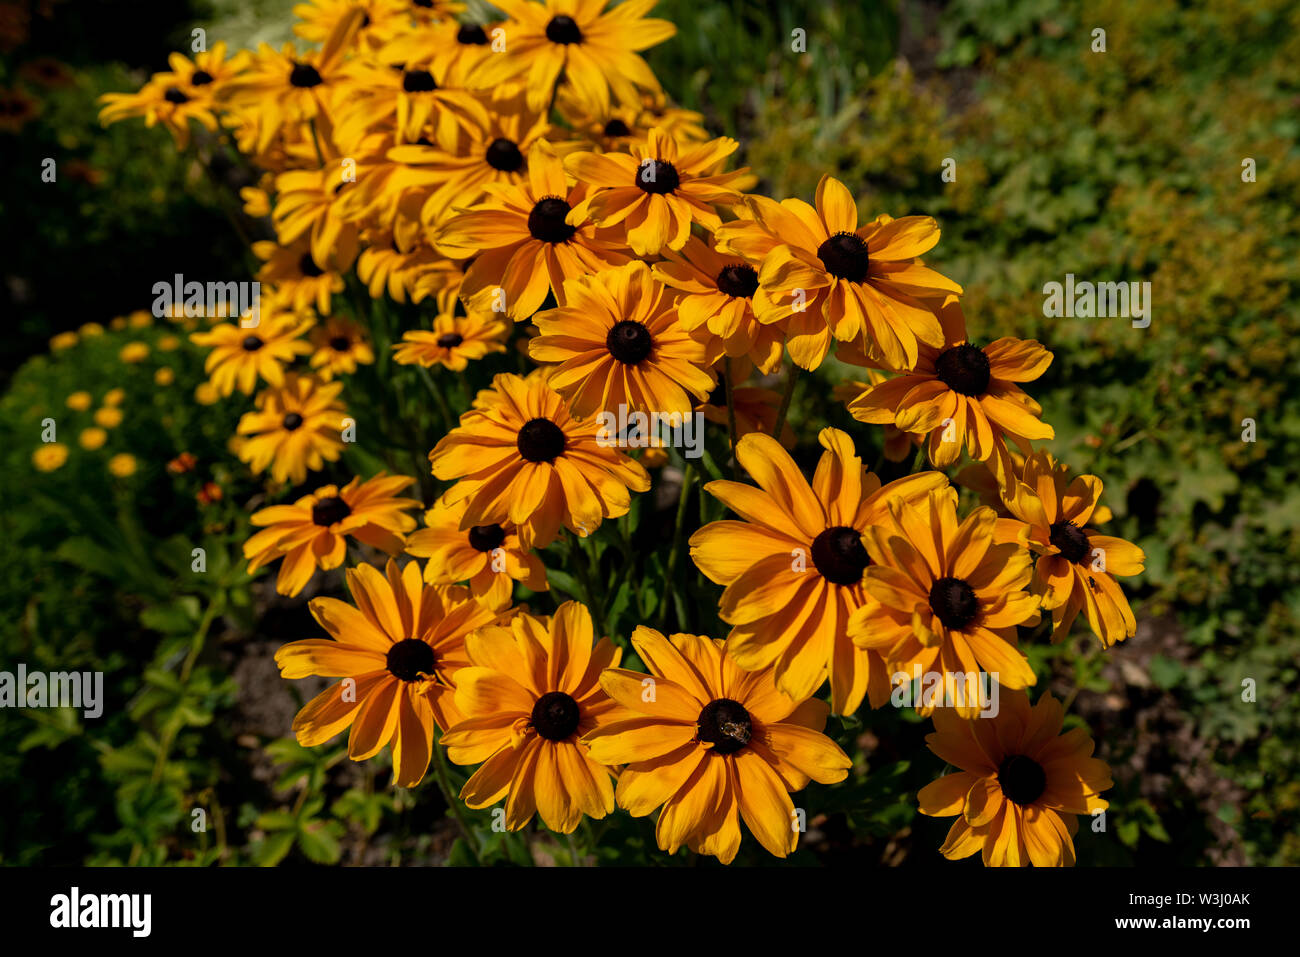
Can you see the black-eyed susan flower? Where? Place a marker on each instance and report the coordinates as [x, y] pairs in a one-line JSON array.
[[520, 457], [531, 691], [618, 342], [296, 282], [1076, 565], [1019, 785], [315, 204], [240, 356], [718, 296], [489, 557], [313, 532], [340, 346], [418, 100], [946, 596], [165, 100], [592, 52], [712, 745], [381, 20], [448, 48], [836, 280], [398, 650], [794, 565], [295, 428], [454, 341], [656, 192], [964, 396], [522, 243]]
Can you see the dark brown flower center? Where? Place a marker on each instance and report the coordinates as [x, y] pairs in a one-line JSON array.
[[726, 725], [738, 280], [471, 34], [540, 440], [304, 75], [838, 555], [484, 538], [555, 716], [307, 266], [954, 602], [450, 340], [546, 221], [845, 257], [418, 81], [292, 421], [964, 369], [657, 177], [563, 29], [504, 155], [340, 343], [1070, 540], [410, 658], [175, 96], [617, 127], [200, 78], [330, 510], [251, 343], [718, 396], [1022, 779], [629, 342]]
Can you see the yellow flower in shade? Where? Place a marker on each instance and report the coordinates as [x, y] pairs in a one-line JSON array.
[[712, 744], [91, 329], [383, 18], [17, 109], [1020, 783], [313, 532], [521, 458], [447, 48], [205, 393], [619, 342], [314, 205], [522, 243], [168, 343], [755, 410], [399, 651], [140, 319], [114, 397], [64, 340], [964, 396], [80, 401], [531, 692], [341, 345], [454, 342], [654, 194], [123, 465], [134, 352], [240, 356], [164, 99], [833, 279], [164, 376], [297, 282], [1076, 565], [92, 438], [561, 41], [110, 417], [50, 456], [415, 100], [719, 293], [794, 564], [490, 557], [295, 428], [899, 445], [946, 596]]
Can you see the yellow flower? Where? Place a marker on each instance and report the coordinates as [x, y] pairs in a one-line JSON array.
[[91, 329], [122, 465], [109, 417], [92, 438], [454, 341], [295, 428], [206, 393], [114, 396], [134, 352], [50, 456], [139, 319], [168, 343], [64, 340], [240, 356], [79, 401]]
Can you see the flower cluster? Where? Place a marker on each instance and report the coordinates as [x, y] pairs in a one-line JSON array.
[[531, 181]]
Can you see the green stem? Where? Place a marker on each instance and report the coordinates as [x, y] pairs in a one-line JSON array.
[[784, 410], [688, 479], [443, 775], [731, 416], [449, 421]]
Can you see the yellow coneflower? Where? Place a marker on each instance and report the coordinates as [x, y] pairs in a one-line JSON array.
[[575, 43], [448, 48], [418, 100], [946, 596], [1020, 783], [794, 565], [836, 280], [313, 204], [964, 396], [295, 428], [240, 356], [454, 341], [520, 457], [312, 532], [398, 650], [341, 345], [522, 243], [618, 342], [490, 557], [1076, 565], [719, 292], [50, 456], [713, 745], [297, 283], [654, 194], [531, 692]]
